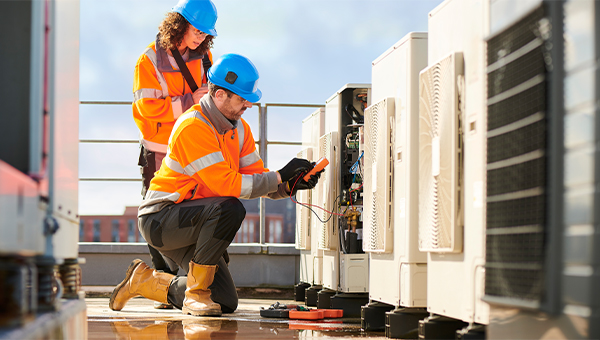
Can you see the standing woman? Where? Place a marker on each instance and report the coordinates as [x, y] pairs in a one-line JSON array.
[[162, 90]]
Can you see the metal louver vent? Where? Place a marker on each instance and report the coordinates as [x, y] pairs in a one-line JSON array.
[[516, 163], [378, 226], [327, 182], [440, 156], [303, 214]]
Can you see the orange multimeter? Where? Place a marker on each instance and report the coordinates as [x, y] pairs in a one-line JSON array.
[[321, 164]]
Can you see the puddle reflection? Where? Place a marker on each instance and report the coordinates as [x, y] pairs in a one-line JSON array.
[[217, 329]]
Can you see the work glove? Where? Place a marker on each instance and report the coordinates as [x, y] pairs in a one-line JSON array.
[[295, 166], [298, 183]]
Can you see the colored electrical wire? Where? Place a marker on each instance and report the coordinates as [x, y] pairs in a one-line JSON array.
[[306, 205]]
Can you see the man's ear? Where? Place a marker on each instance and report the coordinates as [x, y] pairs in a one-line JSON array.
[[220, 95]]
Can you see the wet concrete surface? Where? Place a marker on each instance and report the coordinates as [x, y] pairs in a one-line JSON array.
[[139, 320]]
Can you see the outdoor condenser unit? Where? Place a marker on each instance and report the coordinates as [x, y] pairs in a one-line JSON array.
[[342, 272], [307, 227], [542, 168], [44, 117], [397, 269], [452, 139]]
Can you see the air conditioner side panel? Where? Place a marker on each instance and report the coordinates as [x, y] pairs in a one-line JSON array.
[[331, 269], [64, 113], [406, 158], [460, 26], [306, 266]]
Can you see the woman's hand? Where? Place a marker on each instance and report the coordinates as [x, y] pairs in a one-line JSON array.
[[200, 92]]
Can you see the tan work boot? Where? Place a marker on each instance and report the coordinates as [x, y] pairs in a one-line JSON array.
[[140, 280], [197, 295], [124, 331]]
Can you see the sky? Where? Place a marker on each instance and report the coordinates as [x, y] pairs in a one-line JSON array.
[[304, 50]]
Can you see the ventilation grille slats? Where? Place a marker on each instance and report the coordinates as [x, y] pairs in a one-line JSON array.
[[516, 161]]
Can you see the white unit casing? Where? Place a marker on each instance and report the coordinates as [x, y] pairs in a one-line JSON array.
[[455, 283], [399, 278], [349, 281], [354, 273], [311, 257], [64, 136]]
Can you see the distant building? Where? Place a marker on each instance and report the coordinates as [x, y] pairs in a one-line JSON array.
[[110, 228], [280, 225]]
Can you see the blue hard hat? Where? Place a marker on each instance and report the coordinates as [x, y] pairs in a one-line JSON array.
[[202, 14], [237, 74]]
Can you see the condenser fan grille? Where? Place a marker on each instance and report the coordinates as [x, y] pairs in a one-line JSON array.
[[327, 192], [378, 229], [303, 213], [440, 157], [516, 162]]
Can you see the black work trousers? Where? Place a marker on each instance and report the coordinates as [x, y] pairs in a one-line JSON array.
[[198, 231]]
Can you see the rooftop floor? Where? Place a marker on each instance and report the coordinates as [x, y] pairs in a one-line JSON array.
[[139, 320]]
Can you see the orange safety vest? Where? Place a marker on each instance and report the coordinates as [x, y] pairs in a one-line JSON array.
[[201, 162], [161, 94]]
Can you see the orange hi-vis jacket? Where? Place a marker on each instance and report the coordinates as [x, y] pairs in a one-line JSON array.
[[161, 94], [210, 156]]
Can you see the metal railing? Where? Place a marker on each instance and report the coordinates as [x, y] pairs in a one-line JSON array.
[[262, 143]]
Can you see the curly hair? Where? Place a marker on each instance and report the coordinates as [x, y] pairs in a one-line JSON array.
[[172, 29]]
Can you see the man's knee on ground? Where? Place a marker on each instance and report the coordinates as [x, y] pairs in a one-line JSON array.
[[229, 306], [230, 219]]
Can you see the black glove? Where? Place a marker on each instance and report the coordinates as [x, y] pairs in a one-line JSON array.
[[298, 183], [293, 167]]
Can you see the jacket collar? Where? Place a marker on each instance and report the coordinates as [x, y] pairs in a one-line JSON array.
[[220, 122], [162, 58]]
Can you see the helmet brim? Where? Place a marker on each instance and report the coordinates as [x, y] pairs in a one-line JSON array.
[[251, 97]]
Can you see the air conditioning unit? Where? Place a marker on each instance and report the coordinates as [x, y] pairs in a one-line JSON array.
[[440, 150], [343, 270], [378, 225], [307, 223], [397, 269], [452, 169], [542, 174]]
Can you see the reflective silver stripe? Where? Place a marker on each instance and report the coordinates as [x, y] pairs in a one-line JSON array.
[[240, 130], [204, 162], [147, 93], [183, 117], [246, 186], [161, 79], [153, 197], [176, 106], [249, 159], [174, 165], [152, 146]]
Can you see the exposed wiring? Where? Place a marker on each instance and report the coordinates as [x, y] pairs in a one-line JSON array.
[[354, 169], [306, 205]]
